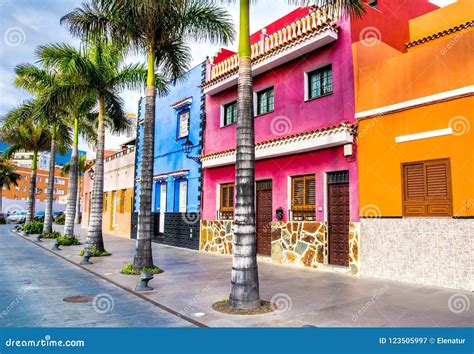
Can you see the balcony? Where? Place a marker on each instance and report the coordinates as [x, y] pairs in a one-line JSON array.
[[304, 35]]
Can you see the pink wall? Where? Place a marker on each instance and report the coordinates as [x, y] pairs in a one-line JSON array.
[[279, 169], [292, 114]]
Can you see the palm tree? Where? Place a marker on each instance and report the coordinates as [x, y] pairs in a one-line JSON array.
[[25, 132], [245, 292], [76, 166], [158, 30], [97, 70], [39, 82], [8, 176]]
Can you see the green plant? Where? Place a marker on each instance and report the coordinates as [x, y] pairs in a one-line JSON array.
[[95, 252], [60, 219], [128, 269], [54, 234], [33, 227], [66, 241]]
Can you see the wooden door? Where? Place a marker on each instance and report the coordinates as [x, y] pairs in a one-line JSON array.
[[338, 219], [264, 217]]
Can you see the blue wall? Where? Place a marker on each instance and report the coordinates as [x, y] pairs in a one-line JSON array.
[[169, 156]]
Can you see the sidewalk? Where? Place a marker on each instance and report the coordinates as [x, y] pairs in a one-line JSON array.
[[193, 280]]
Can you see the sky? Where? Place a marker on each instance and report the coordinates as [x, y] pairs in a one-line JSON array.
[[26, 24]]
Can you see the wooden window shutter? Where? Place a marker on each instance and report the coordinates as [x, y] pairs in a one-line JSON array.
[[427, 188], [310, 191], [297, 192]]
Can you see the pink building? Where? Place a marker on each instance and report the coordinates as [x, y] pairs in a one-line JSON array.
[[306, 149], [306, 169]]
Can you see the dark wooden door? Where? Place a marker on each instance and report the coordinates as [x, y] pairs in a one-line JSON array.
[[338, 223], [264, 217]]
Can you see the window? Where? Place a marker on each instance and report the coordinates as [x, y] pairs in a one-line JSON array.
[[265, 101], [17, 188], [230, 113], [180, 195], [303, 198], [25, 178], [427, 188], [23, 188], [183, 123], [226, 210], [123, 199], [320, 82], [38, 179], [104, 203]]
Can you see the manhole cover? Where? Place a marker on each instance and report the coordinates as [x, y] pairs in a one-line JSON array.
[[78, 299]]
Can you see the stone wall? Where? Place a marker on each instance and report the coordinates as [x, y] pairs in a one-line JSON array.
[[429, 251], [300, 243], [216, 236]]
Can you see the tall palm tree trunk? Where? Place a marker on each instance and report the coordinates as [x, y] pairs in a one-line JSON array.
[[48, 210], [94, 235], [72, 195], [30, 205], [143, 253], [77, 217], [244, 293]]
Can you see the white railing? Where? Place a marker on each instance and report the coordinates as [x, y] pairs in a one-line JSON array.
[[309, 23]]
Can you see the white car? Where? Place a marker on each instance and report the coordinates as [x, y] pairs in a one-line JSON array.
[[16, 217]]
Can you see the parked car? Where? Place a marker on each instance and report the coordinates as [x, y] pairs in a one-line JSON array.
[[57, 214], [39, 216], [17, 217]]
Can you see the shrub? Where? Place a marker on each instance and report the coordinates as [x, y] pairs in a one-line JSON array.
[[33, 227], [60, 219], [54, 234], [128, 269], [66, 241], [95, 252]]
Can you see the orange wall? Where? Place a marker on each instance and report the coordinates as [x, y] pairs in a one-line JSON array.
[[384, 77], [380, 184], [41, 177]]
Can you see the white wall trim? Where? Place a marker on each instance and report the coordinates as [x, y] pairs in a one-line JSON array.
[[423, 135], [287, 148], [416, 102]]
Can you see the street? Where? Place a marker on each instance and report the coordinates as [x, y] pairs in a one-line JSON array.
[[34, 283]]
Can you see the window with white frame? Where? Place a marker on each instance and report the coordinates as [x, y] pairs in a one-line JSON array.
[[183, 123], [319, 82], [265, 101], [230, 113], [303, 198]]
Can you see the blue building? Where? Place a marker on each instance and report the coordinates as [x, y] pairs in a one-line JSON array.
[[177, 171]]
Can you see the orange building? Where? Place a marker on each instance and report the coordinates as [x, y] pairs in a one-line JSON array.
[[119, 170], [17, 196], [415, 113]]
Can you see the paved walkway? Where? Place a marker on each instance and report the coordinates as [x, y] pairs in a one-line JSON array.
[[34, 283], [193, 280]]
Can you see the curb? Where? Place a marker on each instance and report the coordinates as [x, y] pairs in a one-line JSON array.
[[141, 296]]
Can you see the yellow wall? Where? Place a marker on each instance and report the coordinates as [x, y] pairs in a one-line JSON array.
[[380, 184], [437, 66], [122, 220]]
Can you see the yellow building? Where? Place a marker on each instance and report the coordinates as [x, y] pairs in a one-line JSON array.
[[416, 152], [118, 193]]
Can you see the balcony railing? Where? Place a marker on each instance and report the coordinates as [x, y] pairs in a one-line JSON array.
[[120, 153], [314, 21]]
